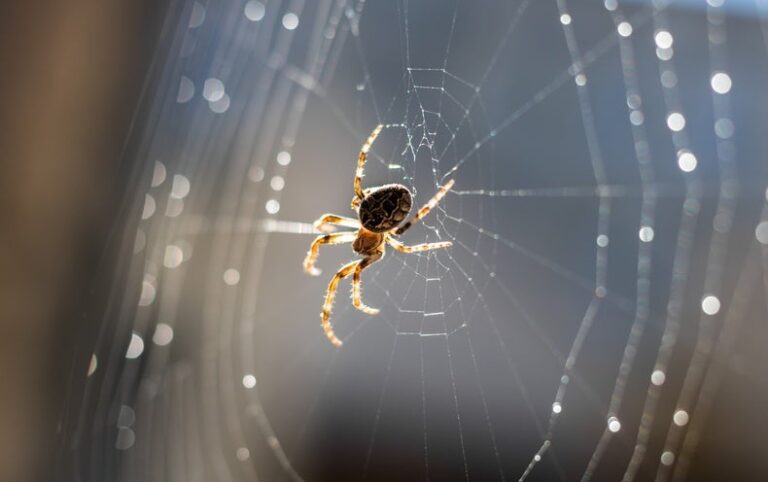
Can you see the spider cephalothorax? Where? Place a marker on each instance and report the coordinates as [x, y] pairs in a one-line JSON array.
[[381, 211]]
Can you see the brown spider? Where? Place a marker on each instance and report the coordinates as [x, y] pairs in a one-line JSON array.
[[380, 211]]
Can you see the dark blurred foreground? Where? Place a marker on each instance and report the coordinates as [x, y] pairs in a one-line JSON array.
[[72, 74]]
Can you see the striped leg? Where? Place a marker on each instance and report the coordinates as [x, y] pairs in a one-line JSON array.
[[356, 283], [361, 161], [327, 222], [314, 249], [325, 316], [419, 247], [426, 208]]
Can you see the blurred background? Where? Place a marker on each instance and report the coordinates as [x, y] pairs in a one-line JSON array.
[[600, 315]]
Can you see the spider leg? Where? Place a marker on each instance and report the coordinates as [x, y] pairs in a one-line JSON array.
[[325, 316], [426, 208], [326, 222], [361, 161], [314, 249], [356, 282], [417, 248]]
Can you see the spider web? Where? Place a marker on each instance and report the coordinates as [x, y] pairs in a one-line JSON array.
[[609, 229]]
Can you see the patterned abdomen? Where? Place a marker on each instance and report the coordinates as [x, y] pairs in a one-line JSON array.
[[385, 207]]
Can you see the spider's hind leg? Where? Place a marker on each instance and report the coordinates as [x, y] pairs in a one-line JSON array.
[[357, 283], [325, 316]]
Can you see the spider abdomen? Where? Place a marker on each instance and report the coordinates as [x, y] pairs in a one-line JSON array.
[[385, 207]]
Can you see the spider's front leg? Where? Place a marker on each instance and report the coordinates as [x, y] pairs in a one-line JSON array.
[[327, 222], [314, 249], [358, 185], [357, 282]]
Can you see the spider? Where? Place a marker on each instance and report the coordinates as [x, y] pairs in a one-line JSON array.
[[380, 211]]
